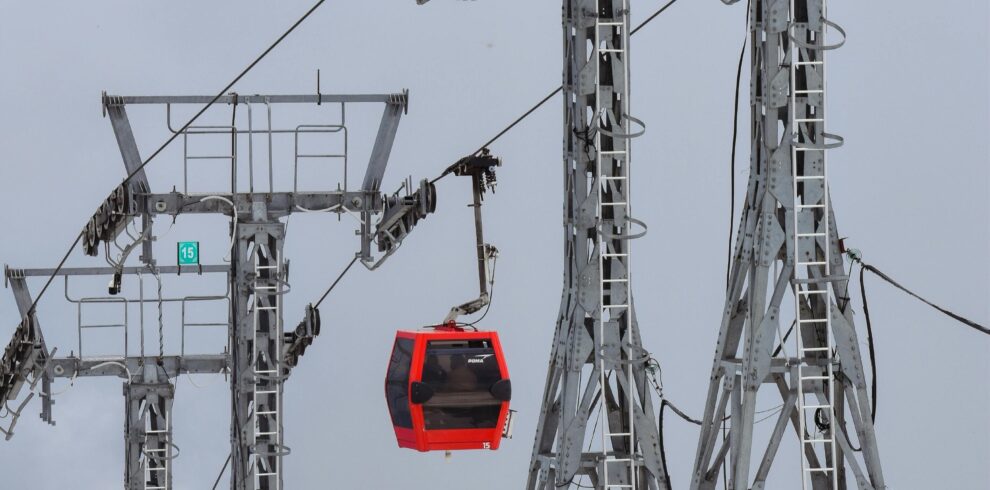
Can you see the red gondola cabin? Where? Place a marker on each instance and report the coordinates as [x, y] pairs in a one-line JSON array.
[[448, 389]]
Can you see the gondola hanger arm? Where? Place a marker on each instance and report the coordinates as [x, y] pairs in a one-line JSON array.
[[481, 168]]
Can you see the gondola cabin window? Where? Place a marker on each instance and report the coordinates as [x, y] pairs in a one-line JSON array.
[[397, 383], [461, 374]]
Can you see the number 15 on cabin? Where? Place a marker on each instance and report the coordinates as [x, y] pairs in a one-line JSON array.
[[188, 253]]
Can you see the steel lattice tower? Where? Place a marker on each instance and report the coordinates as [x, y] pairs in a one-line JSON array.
[[597, 359], [787, 241]]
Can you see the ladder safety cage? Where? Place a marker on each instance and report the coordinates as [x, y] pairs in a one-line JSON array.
[[611, 152], [812, 252], [267, 370], [157, 460]]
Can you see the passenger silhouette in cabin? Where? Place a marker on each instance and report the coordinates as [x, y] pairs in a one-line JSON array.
[[461, 378], [433, 373]]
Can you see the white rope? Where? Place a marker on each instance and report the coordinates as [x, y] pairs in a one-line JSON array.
[[190, 379], [115, 363], [233, 232], [169, 230], [325, 210], [774, 411], [331, 209], [161, 322], [72, 381]]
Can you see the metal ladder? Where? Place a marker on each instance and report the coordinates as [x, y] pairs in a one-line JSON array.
[[808, 142], [267, 378], [156, 462], [618, 314]]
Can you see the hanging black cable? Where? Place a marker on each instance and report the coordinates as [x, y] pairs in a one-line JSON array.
[[173, 137], [732, 185], [784, 339], [869, 324], [233, 307], [869, 340], [681, 414], [732, 159], [663, 450], [845, 433]]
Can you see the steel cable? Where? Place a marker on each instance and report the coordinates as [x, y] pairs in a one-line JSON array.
[[339, 277]]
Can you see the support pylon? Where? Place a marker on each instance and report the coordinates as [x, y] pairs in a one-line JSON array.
[[597, 426], [787, 243]]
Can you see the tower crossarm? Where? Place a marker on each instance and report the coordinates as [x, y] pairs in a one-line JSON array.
[[279, 203], [135, 199]]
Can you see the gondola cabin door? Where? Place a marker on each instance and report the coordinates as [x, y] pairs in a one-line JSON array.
[[448, 389]]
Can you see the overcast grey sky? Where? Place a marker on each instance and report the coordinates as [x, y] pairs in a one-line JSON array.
[[911, 189]]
